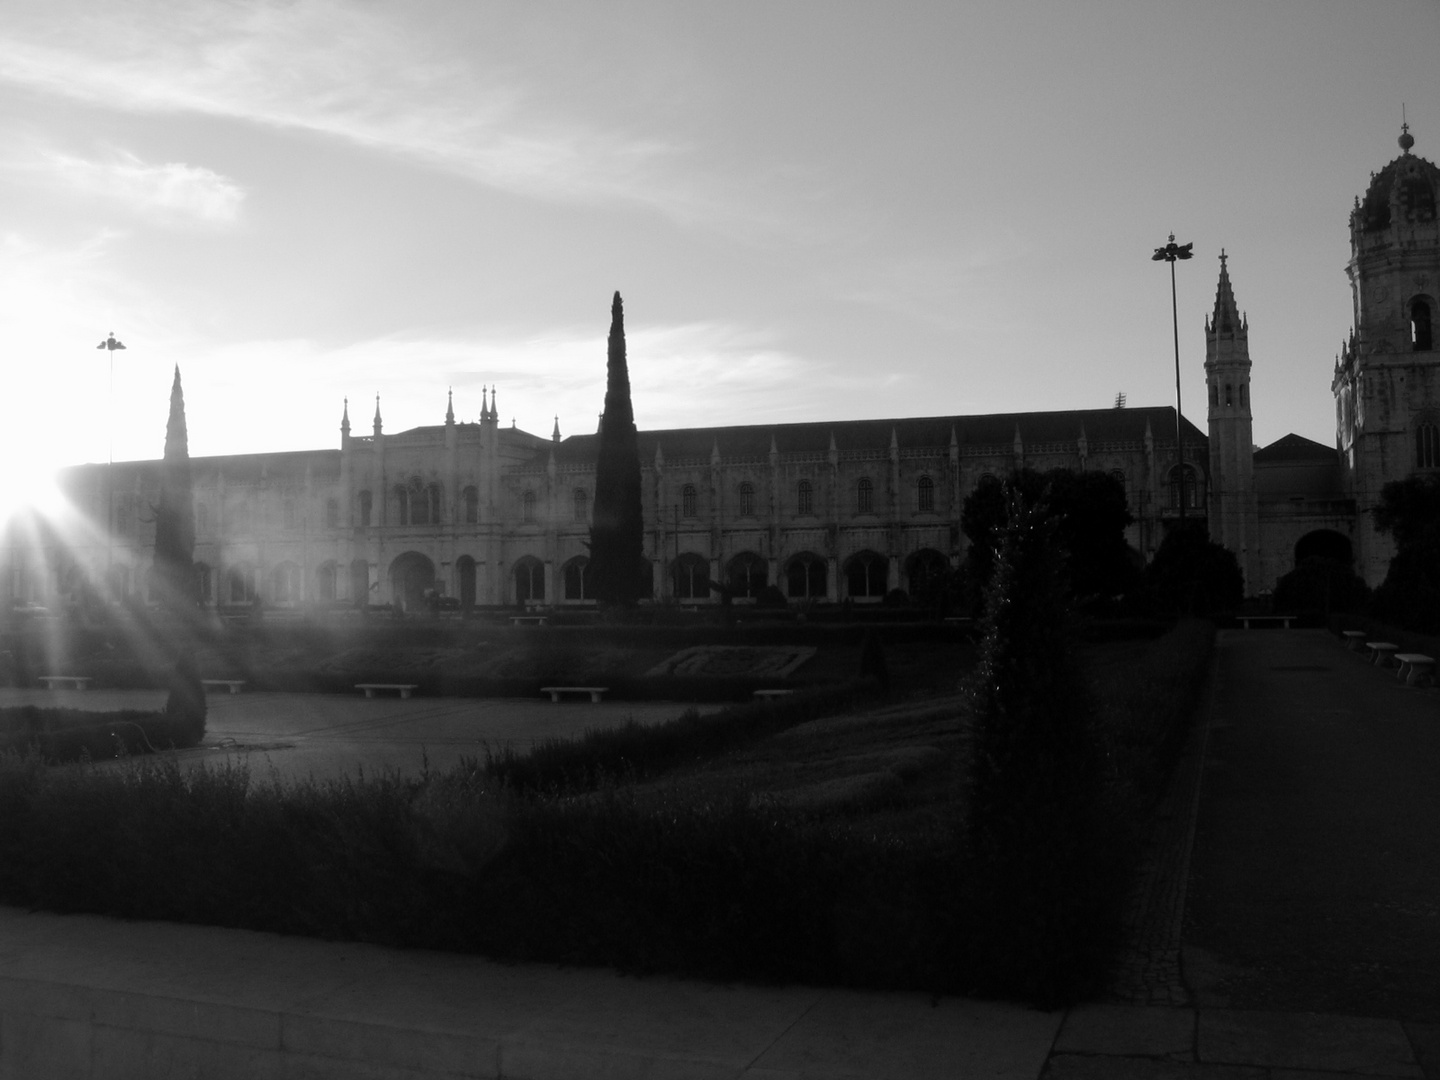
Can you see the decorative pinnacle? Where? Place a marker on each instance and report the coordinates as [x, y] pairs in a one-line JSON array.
[[1406, 140], [450, 405]]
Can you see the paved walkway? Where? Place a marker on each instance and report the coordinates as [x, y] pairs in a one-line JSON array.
[[1315, 845]]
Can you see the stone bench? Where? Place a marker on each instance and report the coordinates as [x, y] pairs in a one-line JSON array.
[[1416, 669], [371, 688], [233, 685], [75, 682], [1381, 651], [593, 691], [770, 695], [1354, 639], [1246, 620], [530, 620]]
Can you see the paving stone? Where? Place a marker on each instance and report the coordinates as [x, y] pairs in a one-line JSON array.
[[1093, 1067], [1281, 1040], [1127, 1030]]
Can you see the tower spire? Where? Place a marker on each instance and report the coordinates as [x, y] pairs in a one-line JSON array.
[[450, 405], [345, 418], [484, 403], [1226, 319], [377, 414]]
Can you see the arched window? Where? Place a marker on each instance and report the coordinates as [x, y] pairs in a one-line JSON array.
[[1427, 446], [332, 514], [471, 498], [1421, 337], [204, 590], [865, 496], [747, 500], [1215, 395], [576, 578], [325, 582], [805, 498], [1244, 403], [865, 575], [1229, 392], [364, 509], [402, 506], [748, 575], [529, 580], [1190, 480], [687, 501], [527, 507], [925, 495], [691, 576], [285, 583], [582, 505], [433, 504]]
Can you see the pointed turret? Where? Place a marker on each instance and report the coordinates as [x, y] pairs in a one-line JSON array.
[[715, 454], [345, 421], [377, 415], [1082, 444], [555, 435], [1226, 318], [484, 403], [774, 452], [659, 458], [450, 406]]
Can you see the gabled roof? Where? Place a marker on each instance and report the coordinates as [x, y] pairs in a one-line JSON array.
[[993, 430], [1294, 448]]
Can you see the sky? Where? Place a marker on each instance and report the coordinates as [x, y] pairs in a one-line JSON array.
[[813, 211]]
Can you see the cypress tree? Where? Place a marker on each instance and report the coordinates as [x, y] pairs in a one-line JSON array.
[[617, 533], [175, 575], [174, 517]]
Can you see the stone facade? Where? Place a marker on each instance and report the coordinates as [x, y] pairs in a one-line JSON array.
[[477, 514]]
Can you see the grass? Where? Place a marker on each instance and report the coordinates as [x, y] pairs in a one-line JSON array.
[[817, 840]]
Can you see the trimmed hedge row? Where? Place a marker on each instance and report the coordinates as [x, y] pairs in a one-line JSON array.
[[62, 735]]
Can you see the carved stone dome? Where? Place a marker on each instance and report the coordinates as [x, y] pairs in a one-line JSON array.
[[1404, 191]]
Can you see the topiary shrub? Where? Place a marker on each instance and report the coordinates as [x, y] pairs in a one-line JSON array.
[[185, 708], [772, 597], [1190, 575], [896, 598]]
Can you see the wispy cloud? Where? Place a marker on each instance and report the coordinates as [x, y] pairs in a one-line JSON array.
[[681, 376], [345, 70], [171, 192]]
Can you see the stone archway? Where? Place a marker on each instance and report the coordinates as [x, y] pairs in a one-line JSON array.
[[412, 575]]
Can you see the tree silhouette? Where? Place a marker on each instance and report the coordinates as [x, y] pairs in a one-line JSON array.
[[617, 532]]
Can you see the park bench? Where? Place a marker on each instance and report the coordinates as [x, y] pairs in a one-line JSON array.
[[76, 682], [1416, 669], [371, 688], [593, 691], [1381, 651], [1246, 620], [770, 695], [234, 685], [530, 620], [1354, 639]]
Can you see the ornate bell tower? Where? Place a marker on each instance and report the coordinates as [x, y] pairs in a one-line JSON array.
[[1234, 519], [1387, 376]]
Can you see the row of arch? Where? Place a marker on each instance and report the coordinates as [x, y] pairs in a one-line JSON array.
[[804, 576]]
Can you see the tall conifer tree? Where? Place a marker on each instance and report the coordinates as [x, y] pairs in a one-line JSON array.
[[175, 575], [174, 517], [617, 533]]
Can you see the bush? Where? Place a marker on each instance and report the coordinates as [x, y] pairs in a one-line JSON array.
[[772, 597], [1190, 575], [1049, 888], [1319, 586], [62, 735]]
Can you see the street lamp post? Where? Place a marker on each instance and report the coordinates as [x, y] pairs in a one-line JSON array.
[[110, 345], [1171, 253]]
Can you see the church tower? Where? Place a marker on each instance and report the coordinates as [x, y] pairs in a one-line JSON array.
[[1234, 519], [1387, 377]]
